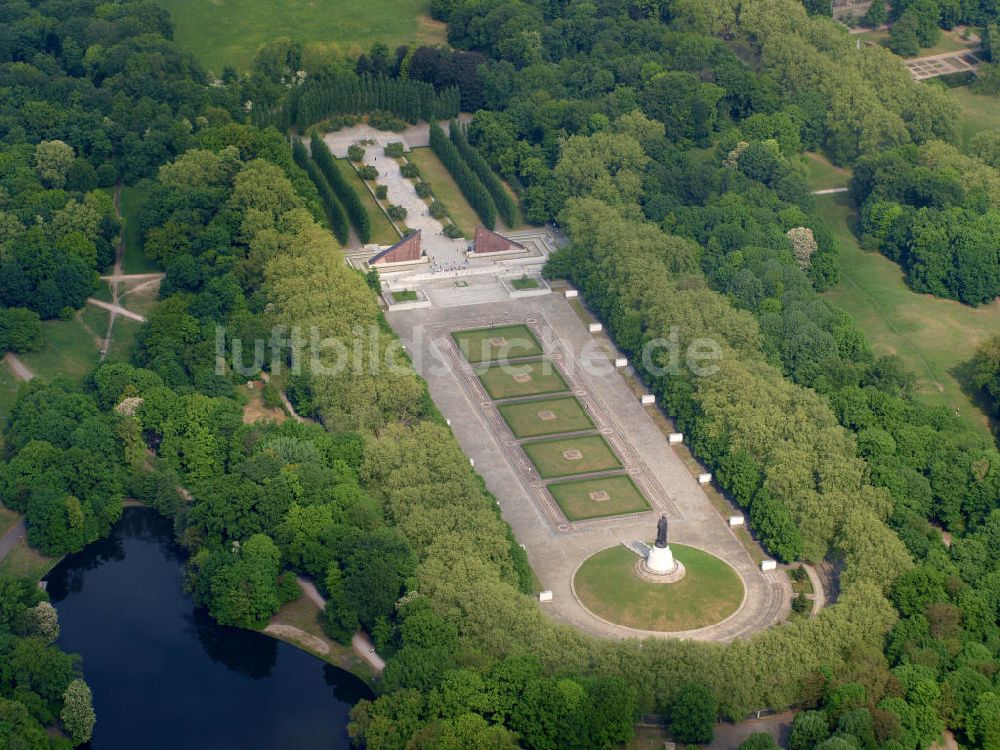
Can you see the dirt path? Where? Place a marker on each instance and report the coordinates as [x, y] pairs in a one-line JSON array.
[[362, 645], [290, 632], [830, 191], [115, 309], [115, 272], [14, 535], [20, 370]]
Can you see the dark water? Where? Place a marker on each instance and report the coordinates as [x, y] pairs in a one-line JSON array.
[[164, 675]]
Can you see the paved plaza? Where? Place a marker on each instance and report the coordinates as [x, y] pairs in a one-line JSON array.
[[556, 547]]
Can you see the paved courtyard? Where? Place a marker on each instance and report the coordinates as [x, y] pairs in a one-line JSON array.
[[555, 546]]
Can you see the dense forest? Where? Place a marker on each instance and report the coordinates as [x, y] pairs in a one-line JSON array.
[[662, 136]]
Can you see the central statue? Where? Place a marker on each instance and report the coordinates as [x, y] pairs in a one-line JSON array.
[[661, 531]]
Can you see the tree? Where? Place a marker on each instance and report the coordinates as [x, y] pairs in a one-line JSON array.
[[759, 741], [903, 39], [78, 712], [53, 160], [809, 728], [693, 714]]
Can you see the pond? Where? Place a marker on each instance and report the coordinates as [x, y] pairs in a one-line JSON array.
[[165, 675]]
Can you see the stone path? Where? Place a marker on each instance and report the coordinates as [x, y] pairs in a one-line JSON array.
[[818, 595], [440, 249], [20, 370], [830, 191], [414, 136], [556, 551]]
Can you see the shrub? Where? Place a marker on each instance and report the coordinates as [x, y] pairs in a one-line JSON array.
[[437, 210], [393, 150], [424, 189], [397, 213], [409, 170], [801, 605], [386, 121], [381, 191], [452, 230], [368, 172], [355, 152]]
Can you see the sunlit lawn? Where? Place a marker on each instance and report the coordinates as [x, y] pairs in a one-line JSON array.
[[933, 337]]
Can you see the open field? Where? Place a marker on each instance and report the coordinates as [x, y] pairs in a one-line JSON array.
[[549, 416], [582, 499], [445, 190], [821, 174], [496, 344], [132, 202], [228, 32], [979, 113], [709, 592], [123, 337], [69, 350], [24, 562], [523, 379], [382, 231], [564, 457], [933, 337]]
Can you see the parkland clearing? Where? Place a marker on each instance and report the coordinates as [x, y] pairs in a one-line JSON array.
[[661, 346]]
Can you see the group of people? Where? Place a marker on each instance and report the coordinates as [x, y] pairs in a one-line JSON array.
[[452, 266]]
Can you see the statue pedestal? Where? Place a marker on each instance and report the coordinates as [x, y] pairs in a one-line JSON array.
[[660, 566]]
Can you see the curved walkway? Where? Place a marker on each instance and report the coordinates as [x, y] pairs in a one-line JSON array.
[[362, 645], [555, 552]]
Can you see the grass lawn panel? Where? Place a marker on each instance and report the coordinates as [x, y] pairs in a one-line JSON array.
[[483, 345], [525, 282], [709, 592], [382, 230], [546, 417], [445, 190], [228, 32], [132, 202], [548, 456], [407, 295], [933, 337], [578, 503], [503, 381]]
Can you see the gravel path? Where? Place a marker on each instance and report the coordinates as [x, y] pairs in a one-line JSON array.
[[362, 645]]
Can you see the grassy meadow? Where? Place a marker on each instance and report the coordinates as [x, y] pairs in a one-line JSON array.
[[229, 32], [933, 337]]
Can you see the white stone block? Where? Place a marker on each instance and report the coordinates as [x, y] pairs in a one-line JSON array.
[[621, 362], [704, 478], [471, 462], [647, 398], [595, 328], [768, 564], [545, 596], [571, 293], [736, 520], [448, 422], [675, 437]]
